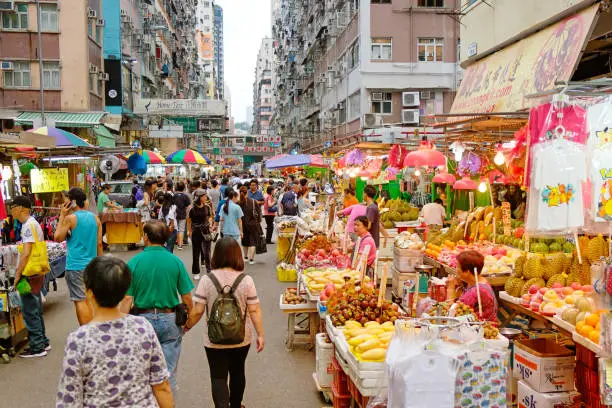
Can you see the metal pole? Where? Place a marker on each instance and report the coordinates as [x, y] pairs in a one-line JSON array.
[[40, 65]]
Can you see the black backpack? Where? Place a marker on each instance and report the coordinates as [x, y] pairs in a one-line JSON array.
[[182, 202], [226, 322]]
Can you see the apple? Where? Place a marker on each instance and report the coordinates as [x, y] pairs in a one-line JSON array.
[[533, 289], [321, 252], [526, 297], [323, 296], [543, 290], [557, 285], [575, 285], [567, 290], [587, 289]]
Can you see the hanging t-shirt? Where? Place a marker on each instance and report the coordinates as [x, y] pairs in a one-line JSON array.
[[559, 167], [599, 119], [601, 181]]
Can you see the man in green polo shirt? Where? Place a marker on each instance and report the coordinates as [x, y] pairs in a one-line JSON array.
[[158, 279]]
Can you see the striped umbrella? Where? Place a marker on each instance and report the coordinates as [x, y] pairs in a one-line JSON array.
[[187, 156], [151, 157], [62, 137]]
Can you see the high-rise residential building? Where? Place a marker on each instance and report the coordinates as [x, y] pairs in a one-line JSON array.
[[219, 58], [345, 68], [249, 115], [205, 31], [263, 92]]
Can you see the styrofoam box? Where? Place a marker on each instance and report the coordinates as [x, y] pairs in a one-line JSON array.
[[324, 352], [528, 397], [544, 374]]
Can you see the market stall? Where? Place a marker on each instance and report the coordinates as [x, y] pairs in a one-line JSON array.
[[122, 227]]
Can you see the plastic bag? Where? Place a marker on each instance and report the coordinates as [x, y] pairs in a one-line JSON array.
[[379, 400]]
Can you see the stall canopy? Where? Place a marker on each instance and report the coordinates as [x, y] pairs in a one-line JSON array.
[[295, 160], [104, 137], [63, 119]]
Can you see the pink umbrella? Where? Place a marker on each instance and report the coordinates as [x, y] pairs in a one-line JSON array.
[[444, 177], [465, 183], [425, 156]]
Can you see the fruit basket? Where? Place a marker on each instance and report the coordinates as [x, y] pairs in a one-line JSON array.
[[289, 294]]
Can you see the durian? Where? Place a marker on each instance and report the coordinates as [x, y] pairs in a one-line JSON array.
[[595, 250], [513, 286], [519, 266], [558, 278], [533, 268], [547, 269]]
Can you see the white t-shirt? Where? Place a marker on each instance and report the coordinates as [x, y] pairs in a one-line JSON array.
[[171, 215], [27, 231], [601, 180], [433, 214], [599, 119], [559, 167]]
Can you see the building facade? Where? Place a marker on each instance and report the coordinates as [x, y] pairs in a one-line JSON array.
[[343, 67], [263, 89], [219, 58], [206, 48]]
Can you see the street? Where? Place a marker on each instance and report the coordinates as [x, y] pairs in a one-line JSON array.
[[275, 378]]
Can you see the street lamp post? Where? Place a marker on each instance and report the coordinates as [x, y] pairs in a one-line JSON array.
[[40, 65]]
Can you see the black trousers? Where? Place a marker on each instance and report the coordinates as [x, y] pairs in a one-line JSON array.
[[221, 363], [200, 250], [269, 227]]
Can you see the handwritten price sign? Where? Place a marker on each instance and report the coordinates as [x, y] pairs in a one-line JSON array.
[[506, 218], [49, 180]]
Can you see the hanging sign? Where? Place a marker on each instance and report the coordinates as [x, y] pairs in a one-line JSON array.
[[506, 218], [49, 180]]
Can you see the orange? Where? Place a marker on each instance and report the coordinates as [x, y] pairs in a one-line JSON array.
[[579, 325], [597, 327], [586, 330], [592, 319], [594, 336]]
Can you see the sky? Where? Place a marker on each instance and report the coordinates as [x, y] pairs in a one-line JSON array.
[[245, 23]]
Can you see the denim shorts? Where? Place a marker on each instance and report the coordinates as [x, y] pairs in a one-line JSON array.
[[170, 337], [76, 285]]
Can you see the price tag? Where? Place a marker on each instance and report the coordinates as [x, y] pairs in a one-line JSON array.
[[506, 218], [49, 180]]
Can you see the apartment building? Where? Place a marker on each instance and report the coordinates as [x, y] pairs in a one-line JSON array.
[[73, 77], [219, 58], [346, 66], [206, 45], [263, 90]]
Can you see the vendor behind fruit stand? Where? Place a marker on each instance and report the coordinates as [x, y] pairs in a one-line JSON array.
[[434, 214], [362, 229], [467, 262]]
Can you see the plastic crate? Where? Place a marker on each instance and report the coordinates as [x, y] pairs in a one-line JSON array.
[[586, 357], [340, 400], [360, 400], [340, 382], [285, 275]]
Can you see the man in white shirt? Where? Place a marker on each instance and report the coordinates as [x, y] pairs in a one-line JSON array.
[[434, 213]]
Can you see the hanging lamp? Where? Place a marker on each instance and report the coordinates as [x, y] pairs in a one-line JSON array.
[[425, 155], [444, 177], [465, 183]]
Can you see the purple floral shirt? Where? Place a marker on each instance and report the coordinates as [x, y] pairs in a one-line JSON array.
[[112, 364]]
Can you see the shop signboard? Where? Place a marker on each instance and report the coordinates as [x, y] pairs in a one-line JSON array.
[[500, 81], [49, 180], [180, 107]]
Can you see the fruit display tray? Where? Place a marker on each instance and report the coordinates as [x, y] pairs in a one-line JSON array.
[[304, 306], [583, 341]]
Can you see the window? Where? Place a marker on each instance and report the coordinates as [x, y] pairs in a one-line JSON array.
[[91, 82], [207, 17], [17, 20], [381, 48], [49, 17], [381, 1], [431, 3], [90, 24], [51, 75], [98, 85], [430, 49], [206, 4], [385, 105], [342, 114], [354, 106], [98, 34], [19, 77]]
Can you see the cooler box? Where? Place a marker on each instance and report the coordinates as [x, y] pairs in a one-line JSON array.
[[323, 352], [544, 365], [529, 398]]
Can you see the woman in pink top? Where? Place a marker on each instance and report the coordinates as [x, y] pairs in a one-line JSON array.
[[362, 227], [353, 212], [227, 266], [270, 208]]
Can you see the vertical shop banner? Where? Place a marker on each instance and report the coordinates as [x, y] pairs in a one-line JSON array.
[[500, 81], [205, 46], [49, 180], [506, 218]]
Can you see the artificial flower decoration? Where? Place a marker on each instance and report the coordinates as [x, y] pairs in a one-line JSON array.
[[355, 158], [470, 164]]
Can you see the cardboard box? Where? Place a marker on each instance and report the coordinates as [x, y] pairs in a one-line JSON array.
[[529, 398], [544, 365]]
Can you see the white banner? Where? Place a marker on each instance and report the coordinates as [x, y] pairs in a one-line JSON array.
[[180, 107], [166, 132]]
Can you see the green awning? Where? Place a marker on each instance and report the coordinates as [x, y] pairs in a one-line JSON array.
[[64, 119], [104, 137]]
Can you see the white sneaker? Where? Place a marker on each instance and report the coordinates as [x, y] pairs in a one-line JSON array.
[[196, 277]]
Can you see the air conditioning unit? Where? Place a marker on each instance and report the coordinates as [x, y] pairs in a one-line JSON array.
[[410, 116], [91, 13], [124, 12], [377, 96], [372, 120], [410, 99], [93, 69], [103, 76], [330, 68], [7, 6], [341, 19], [428, 95], [331, 81], [6, 66], [100, 22]]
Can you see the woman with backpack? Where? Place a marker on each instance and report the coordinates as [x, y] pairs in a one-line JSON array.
[[167, 213], [227, 345]]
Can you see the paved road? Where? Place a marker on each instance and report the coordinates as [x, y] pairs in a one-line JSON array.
[[275, 378]]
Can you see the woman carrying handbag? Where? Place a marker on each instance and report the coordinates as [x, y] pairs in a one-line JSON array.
[[251, 223], [199, 221]]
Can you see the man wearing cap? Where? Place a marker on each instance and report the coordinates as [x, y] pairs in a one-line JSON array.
[[83, 234], [31, 232]]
